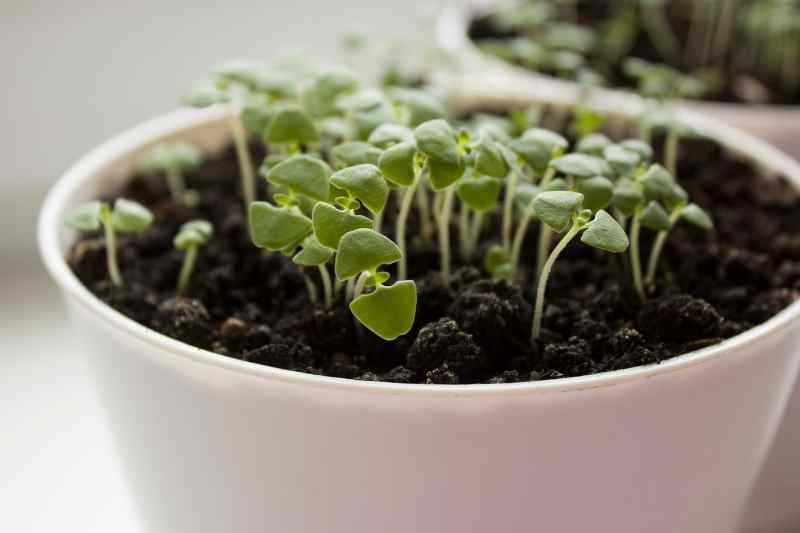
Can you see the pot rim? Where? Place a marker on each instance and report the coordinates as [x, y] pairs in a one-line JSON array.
[[452, 38], [86, 171]]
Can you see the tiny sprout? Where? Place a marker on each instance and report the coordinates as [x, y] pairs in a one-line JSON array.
[[291, 126], [127, 216], [364, 184], [563, 211], [191, 236], [174, 160], [355, 153], [388, 311]]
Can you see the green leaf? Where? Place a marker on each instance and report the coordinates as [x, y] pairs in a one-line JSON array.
[[495, 262], [321, 97], [86, 217], [256, 76], [205, 94], [313, 253], [605, 234], [162, 157], [365, 122], [330, 224], [388, 312], [421, 105], [437, 140], [362, 100], [657, 182], [597, 191], [581, 166], [627, 196], [397, 163], [365, 183], [364, 250], [291, 125], [192, 234], [623, 161], [489, 160], [130, 217], [276, 228], [302, 174], [695, 215], [655, 217], [524, 196], [644, 150], [479, 193], [555, 208], [677, 198], [386, 135], [256, 115], [537, 147], [355, 153], [593, 144]]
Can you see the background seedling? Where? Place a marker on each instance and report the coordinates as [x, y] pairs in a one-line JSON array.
[[173, 160], [190, 237], [127, 216]]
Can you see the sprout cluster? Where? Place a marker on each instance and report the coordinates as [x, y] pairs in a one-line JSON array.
[[339, 153]]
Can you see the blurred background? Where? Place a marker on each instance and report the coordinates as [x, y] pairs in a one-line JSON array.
[[76, 73]]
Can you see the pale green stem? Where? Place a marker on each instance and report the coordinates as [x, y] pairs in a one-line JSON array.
[[722, 39], [475, 231], [463, 232], [658, 246], [657, 26], [377, 222], [312, 290], [400, 226], [349, 289], [545, 233], [671, 150], [243, 155], [444, 233], [508, 208], [636, 261], [326, 286], [360, 284], [186, 269], [424, 208], [519, 237], [176, 185], [111, 253], [538, 312]]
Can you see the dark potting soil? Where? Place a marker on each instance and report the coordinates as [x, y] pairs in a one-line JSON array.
[[249, 304], [736, 86]]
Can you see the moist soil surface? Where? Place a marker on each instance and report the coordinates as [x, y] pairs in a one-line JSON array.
[[250, 304], [735, 86]]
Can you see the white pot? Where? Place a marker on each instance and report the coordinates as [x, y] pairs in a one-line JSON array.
[[481, 79], [779, 125], [216, 444]]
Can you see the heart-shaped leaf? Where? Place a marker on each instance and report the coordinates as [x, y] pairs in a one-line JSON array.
[[489, 160], [313, 253], [593, 144], [437, 140], [386, 135], [524, 196], [581, 166], [206, 93], [420, 105], [537, 147], [321, 96], [364, 250], [276, 228], [302, 174], [130, 217], [163, 157], [655, 217], [695, 215], [627, 196], [365, 183], [355, 153], [86, 217], [397, 163], [480, 193], [644, 150], [623, 161], [495, 262], [291, 125], [388, 312], [605, 234], [597, 192], [555, 208], [657, 182], [330, 224], [192, 234]]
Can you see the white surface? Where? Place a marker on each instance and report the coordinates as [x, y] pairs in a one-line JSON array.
[[212, 443]]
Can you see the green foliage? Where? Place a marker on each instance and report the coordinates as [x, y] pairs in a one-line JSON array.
[[388, 312], [437, 140], [364, 250], [479, 193], [597, 192], [537, 147], [130, 217], [277, 228], [355, 153], [397, 163], [605, 233], [581, 166], [193, 234], [291, 124], [695, 215], [655, 217], [365, 183], [488, 158], [623, 161], [330, 224], [302, 174], [555, 208], [387, 135], [313, 253], [167, 156]]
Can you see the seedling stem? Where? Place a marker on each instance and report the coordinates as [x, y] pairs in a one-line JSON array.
[[243, 155]]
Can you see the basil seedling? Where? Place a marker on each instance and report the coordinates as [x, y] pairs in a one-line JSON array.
[[190, 237], [174, 160], [127, 216]]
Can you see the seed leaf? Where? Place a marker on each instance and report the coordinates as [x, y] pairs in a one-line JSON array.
[[397, 163], [605, 234], [387, 135], [495, 262], [581, 166], [537, 147], [677, 198], [421, 106], [275, 228], [479, 193], [313, 253], [86, 217], [593, 144], [362, 100], [182, 156], [192, 234], [524, 197], [256, 76], [388, 312], [130, 217], [205, 94], [330, 224], [657, 182], [597, 191], [256, 115], [627, 196], [365, 183], [622, 161], [655, 217], [291, 124], [355, 153], [321, 97], [302, 174], [489, 160], [364, 250], [644, 150], [555, 208], [695, 215], [437, 140]]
